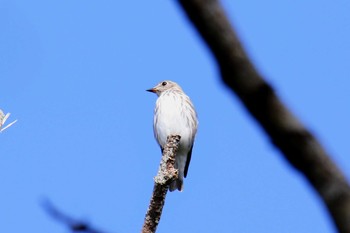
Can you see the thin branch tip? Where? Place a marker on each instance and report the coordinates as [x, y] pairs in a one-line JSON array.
[[73, 224]]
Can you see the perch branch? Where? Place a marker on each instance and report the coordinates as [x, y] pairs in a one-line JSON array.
[[166, 174], [295, 142]]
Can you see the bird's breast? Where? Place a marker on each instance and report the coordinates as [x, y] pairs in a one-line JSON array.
[[171, 117]]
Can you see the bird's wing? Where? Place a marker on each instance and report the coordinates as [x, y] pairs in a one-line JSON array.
[[188, 160]]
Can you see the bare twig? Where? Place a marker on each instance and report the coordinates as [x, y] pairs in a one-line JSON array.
[[296, 143], [166, 174], [3, 119], [73, 224]]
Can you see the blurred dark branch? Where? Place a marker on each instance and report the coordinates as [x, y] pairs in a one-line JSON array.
[[166, 174], [73, 224], [295, 142]]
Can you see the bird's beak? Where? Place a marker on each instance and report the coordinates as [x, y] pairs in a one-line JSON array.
[[152, 90]]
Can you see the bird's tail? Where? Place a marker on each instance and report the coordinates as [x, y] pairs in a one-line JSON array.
[[176, 184], [180, 163]]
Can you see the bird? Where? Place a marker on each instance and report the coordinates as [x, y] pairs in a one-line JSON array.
[[174, 114]]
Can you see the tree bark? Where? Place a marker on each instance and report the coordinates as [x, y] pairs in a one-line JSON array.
[[166, 174], [295, 142]]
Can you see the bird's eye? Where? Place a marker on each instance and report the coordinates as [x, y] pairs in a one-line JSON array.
[[164, 83]]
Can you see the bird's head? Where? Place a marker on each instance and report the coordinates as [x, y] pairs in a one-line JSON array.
[[164, 86]]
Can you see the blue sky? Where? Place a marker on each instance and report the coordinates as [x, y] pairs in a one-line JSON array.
[[74, 74]]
